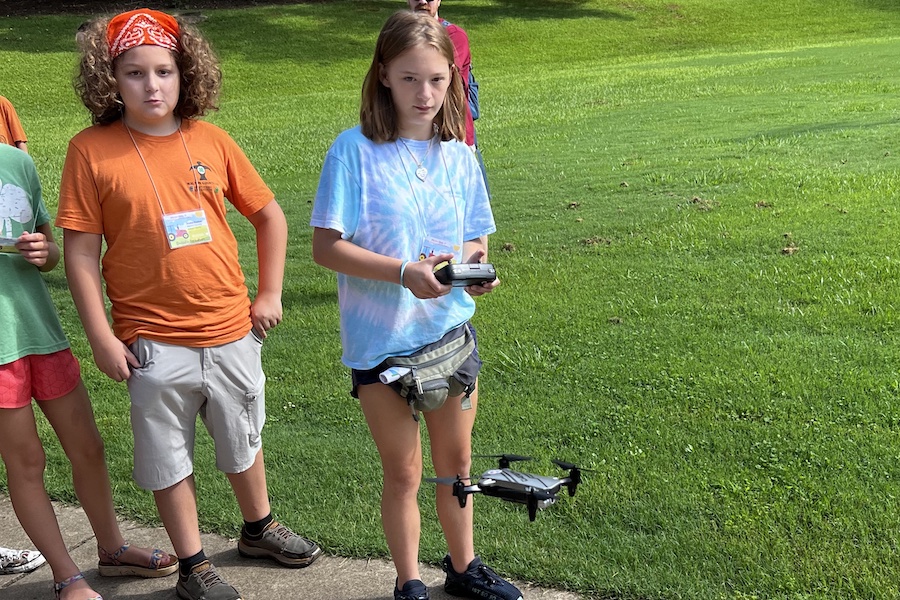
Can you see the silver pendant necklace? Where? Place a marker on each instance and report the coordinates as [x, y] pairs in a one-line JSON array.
[[421, 171]]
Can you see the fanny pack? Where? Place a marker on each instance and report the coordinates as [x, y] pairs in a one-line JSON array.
[[427, 377]]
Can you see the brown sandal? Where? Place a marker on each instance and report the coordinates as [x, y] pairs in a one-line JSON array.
[[111, 565]]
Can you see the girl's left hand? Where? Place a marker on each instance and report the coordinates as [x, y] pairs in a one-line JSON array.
[[484, 288], [34, 247]]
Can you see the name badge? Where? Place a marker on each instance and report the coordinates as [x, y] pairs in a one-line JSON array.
[[433, 246], [8, 245], [187, 228]]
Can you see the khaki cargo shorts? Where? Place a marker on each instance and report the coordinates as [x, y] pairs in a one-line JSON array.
[[224, 384]]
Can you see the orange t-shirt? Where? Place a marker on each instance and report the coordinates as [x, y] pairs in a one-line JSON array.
[[11, 130], [191, 296]]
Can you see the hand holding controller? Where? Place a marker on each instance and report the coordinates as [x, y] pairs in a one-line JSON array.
[[465, 274]]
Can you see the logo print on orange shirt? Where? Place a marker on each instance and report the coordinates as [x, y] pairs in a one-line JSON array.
[[201, 170], [201, 182]]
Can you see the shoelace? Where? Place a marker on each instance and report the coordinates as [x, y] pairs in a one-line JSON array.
[[286, 535], [210, 578], [281, 531], [489, 574], [10, 556]]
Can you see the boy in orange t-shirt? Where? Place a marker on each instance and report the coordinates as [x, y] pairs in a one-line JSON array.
[[151, 179], [11, 131]]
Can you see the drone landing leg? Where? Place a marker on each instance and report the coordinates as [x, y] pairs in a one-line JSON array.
[[459, 490]]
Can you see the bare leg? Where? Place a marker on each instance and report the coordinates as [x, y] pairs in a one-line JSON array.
[[72, 418], [23, 455], [250, 490], [177, 506], [399, 444], [450, 431]]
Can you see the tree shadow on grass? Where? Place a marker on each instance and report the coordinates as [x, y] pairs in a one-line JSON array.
[[300, 34], [303, 33], [537, 9], [814, 129], [887, 5]]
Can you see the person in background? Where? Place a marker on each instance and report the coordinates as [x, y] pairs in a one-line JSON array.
[[398, 195], [11, 131], [462, 55], [151, 179]]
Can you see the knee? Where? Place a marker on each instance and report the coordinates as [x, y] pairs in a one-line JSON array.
[[27, 462], [402, 481], [453, 464], [90, 453]]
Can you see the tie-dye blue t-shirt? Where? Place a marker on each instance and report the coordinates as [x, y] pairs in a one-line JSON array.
[[370, 193]]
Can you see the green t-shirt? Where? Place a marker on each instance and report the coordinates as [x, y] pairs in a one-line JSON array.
[[28, 320]]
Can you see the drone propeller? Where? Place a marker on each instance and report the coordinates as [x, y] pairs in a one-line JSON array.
[[442, 480], [569, 466], [460, 489], [574, 474], [505, 459]]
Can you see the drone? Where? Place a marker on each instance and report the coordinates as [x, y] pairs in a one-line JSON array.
[[537, 492]]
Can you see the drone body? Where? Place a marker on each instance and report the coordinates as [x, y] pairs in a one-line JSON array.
[[535, 491]]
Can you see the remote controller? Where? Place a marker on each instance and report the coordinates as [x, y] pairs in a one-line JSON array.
[[463, 274]]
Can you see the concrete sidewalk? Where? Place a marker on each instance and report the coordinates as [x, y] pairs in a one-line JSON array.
[[330, 577]]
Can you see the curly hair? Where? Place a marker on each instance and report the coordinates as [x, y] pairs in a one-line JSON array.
[[95, 83], [402, 31]]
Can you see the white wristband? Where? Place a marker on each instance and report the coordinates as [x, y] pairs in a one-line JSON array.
[[402, 270]]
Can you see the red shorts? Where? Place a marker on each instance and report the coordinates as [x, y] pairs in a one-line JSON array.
[[38, 376]]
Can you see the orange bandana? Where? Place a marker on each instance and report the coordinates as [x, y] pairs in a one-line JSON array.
[[141, 27]]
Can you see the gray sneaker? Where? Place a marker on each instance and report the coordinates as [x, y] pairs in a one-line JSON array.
[[205, 584], [281, 545]]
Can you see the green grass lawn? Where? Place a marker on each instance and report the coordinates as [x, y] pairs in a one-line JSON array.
[[697, 206]]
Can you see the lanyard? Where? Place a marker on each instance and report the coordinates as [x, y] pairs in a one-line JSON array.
[[181, 228], [419, 208], [150, 176]]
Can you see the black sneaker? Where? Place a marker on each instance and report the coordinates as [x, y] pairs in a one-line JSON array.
[[478, 581], [412, 590]]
